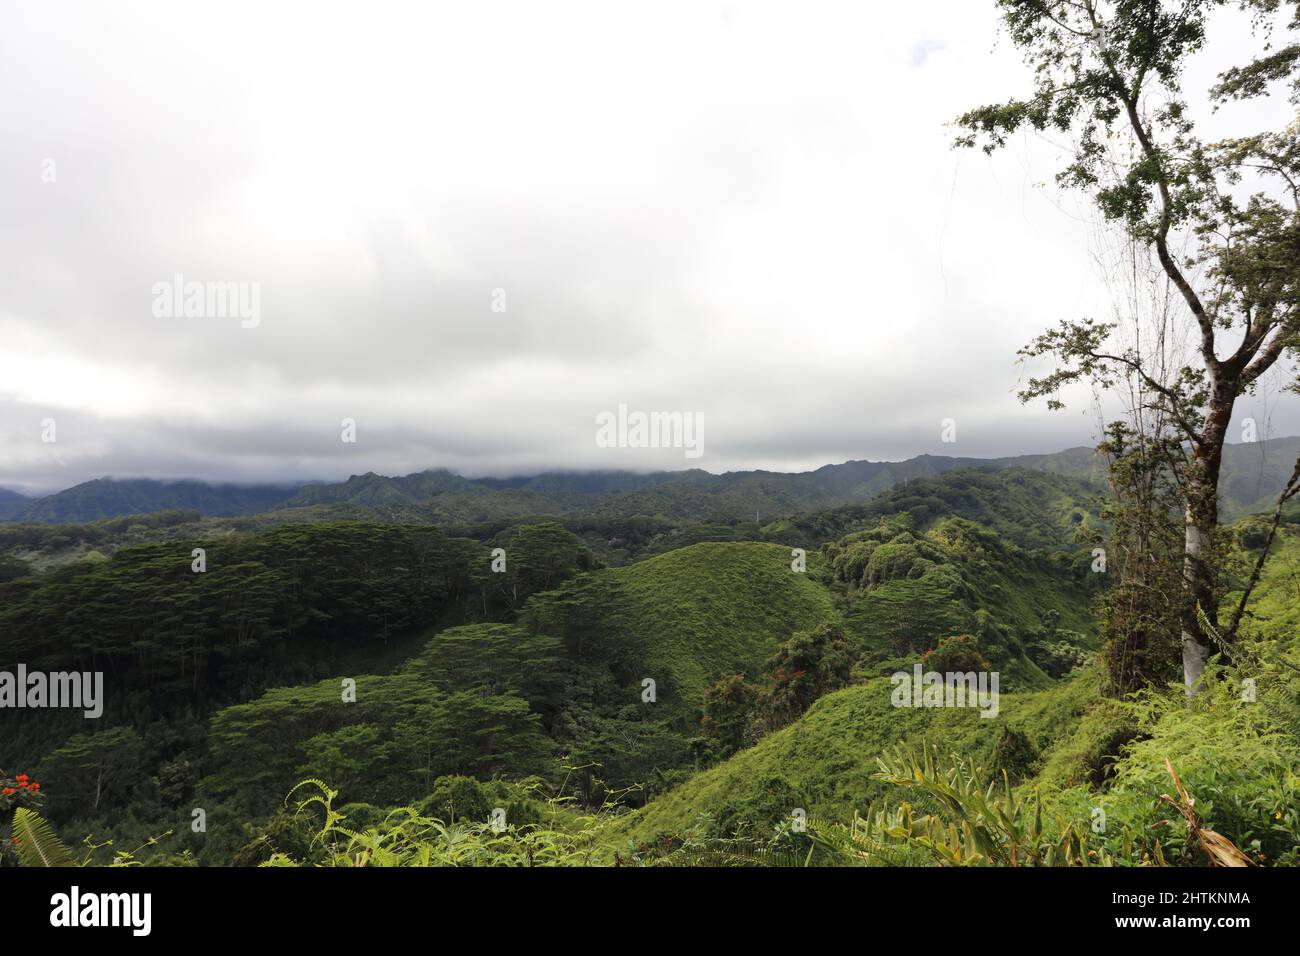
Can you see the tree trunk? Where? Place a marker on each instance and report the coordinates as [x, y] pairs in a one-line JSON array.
[[1201, 524], [1198, 592]]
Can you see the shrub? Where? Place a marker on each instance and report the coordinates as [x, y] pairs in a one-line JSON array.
[[1090, 753], [957, 654], [1015, 754], [457, 799]]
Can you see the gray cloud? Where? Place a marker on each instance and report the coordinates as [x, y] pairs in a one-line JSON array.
[[719, 209]]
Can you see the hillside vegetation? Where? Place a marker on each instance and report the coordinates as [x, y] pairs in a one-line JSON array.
[[395, 664], [688, 615]]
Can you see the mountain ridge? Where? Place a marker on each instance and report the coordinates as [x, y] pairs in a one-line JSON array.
[[1253, 473]]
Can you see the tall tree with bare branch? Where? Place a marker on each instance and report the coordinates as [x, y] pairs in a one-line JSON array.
[[1222, 219]]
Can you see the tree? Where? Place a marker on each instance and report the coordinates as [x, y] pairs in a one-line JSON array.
[[494, 659], [729, 705], [805, 667], [90, 767], [346, 757], [541, 557], [1109, 73], [471, 734], [12, 568], [1139, 613], [810, 664]]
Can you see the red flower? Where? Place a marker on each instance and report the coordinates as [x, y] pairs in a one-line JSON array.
[[8, 791], [33, 786], [21, 778]]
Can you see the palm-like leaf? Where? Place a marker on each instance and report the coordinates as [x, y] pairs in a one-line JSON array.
[[37, 843]]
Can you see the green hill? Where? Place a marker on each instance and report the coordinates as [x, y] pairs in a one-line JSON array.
[[1031, 509], [1275, 603], [685, 617], [1253, 474], [823, 763], [534, 677], [1081, 750], [905, 590]]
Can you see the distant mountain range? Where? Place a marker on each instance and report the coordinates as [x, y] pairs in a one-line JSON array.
[[108, 498], [11, 503], [1252, 476]]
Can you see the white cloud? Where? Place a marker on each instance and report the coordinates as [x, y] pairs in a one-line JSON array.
[[749, 210]]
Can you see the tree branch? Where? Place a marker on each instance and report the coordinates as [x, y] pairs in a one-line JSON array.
[[1289, 491]]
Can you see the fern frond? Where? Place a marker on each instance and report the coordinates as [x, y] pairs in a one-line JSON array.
[[37, 843]]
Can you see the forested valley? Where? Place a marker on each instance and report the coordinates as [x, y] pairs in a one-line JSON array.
[[722, 695]]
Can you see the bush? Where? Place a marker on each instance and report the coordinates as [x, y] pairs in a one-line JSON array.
[[757, 816], [1241, 771], [1088, 756], [957, 654], [1015, 753], [457, 798]]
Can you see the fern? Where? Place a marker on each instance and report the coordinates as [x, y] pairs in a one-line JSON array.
[[407, 838], [867, 841], [37, 844]]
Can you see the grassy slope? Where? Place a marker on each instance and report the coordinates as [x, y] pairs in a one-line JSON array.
[[687, 617], [826, 759], [718, 603], [698, 612]]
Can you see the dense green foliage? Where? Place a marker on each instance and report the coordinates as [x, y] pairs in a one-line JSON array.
[[524, 690]]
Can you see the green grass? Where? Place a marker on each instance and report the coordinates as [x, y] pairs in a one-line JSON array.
[[689, 616], [1087, 751], [824, 763]]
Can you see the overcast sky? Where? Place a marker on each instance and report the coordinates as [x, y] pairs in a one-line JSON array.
[[745, 211]]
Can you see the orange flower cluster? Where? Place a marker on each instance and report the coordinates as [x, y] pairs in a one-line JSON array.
[[23, 782]]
